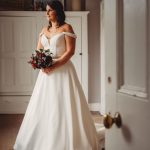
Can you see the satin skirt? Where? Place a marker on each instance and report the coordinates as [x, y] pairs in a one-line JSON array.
[[57, 116]]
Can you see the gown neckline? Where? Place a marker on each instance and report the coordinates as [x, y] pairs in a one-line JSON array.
[[49, 39], [60, 33]]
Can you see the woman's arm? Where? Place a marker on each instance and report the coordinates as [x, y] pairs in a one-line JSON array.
[[70, 49]]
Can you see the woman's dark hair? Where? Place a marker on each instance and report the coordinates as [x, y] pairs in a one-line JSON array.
[[58, 7]]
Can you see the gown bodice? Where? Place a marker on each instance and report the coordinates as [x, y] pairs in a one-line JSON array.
[[56, 43]]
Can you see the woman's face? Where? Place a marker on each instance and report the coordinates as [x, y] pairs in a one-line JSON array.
[[51, 13]]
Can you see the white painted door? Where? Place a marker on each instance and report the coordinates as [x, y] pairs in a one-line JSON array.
[[127, 45], [17, 39]]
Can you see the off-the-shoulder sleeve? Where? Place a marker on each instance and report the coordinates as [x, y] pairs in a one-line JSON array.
[[70, 34]]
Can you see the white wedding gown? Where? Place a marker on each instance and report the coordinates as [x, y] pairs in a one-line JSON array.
[[57, 116]]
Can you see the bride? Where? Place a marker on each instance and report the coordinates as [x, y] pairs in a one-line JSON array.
[[57, 116]]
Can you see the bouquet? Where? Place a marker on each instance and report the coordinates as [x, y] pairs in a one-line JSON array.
[[41, 59]]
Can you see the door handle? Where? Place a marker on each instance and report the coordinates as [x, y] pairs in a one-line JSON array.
[[109, 120]]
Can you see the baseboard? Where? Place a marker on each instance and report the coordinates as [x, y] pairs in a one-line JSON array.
[[94, 106], [13, 104], [18, 105]]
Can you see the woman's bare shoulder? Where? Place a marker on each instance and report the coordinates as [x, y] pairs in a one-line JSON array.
[[68, 28]]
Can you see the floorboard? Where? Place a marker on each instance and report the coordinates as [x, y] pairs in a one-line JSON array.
[[10, 124]]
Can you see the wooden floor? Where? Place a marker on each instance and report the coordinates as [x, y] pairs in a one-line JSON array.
[[10, 124]]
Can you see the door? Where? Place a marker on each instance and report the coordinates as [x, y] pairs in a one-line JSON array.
[[127, 44], [17, 39]]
